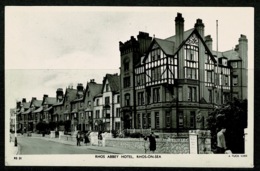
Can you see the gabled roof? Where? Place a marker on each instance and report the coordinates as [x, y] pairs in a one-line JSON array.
[[49, 100], [36, 103], [166, 46], [93, 88], [203, 42], [26, 105], [71, 94], [186, 34], [114, 82]]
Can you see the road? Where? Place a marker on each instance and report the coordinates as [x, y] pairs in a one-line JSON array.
[[30, 145]]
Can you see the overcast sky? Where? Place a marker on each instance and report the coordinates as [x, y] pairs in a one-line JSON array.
[[51, 47]]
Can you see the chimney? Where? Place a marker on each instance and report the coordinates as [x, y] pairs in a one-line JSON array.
[[18, 105], [200, 27], [242, 50], [92, 80], [80, 87], [59, 94], [208, 41], [236, 48], [24, 100], [34, 98], [144, 41], [179, 29], [45, 96]]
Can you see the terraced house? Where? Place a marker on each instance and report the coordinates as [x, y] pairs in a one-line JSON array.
[[107, 116], [92, 89], [172, 84]]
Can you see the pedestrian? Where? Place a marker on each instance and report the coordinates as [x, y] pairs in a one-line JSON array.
[[100, 138], [221, 142], [78, 139], [146, 145], [152, 142], [86, 138]]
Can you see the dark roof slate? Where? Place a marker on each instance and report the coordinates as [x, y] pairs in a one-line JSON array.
[[114, 82]]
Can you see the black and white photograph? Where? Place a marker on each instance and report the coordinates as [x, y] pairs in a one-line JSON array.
[[129, 86]]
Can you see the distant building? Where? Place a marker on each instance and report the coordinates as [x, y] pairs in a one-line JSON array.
[[92, 89], [107, 116], [172, 84]]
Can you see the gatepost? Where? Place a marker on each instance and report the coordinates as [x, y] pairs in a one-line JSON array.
[[193, 142], [61, 133], [246, 140]]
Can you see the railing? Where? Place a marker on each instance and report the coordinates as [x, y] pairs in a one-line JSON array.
[[142, 131]]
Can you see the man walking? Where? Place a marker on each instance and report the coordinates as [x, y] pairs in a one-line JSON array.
[[78, 139], [221, 142]]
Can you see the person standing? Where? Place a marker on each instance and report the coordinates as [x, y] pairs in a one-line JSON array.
[[152, 142], [146, 145], [221, 142], [78, 139]]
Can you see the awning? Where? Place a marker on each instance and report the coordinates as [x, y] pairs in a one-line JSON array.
[[88, 109], [48, 109], [66, 112], [27, 111], [38, 110], [74, 111]]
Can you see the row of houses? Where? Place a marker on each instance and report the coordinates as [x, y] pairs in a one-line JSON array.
[[167, 85], [94, 107]]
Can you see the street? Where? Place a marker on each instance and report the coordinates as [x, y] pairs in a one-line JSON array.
[[30, 145]]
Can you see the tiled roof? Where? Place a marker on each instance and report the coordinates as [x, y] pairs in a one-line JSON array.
[[231, 55], [114, 82], [167, 46], [37, 103], [94, 88], [185, 35], [26, 105], [50, 100], [71, 94]]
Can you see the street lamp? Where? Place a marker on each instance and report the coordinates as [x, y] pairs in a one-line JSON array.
[[15, 133]]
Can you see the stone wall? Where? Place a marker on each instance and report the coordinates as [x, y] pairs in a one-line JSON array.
[[169, 143], [172, 146]]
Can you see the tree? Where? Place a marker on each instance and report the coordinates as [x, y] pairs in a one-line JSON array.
[[232, 116]]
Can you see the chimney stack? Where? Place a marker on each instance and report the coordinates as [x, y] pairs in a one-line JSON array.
[[24, 100], [179, 29], [208, 41], [200, 27]]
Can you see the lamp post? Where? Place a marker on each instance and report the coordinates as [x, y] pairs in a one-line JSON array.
[[15, 133]]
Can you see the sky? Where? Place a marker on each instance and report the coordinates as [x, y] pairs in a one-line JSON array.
[[52, 47]]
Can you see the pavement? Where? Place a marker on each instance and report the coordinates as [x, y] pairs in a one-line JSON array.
[[113, 150], [11, 149]]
